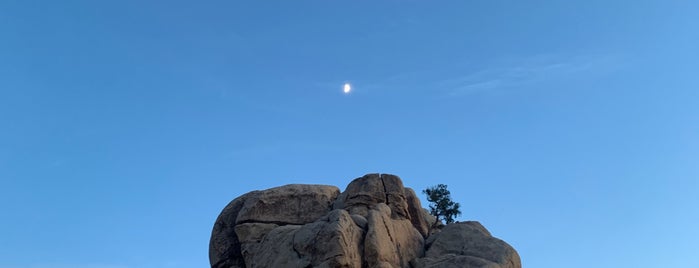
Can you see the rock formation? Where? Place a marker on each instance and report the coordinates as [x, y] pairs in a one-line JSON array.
[[375, 222]]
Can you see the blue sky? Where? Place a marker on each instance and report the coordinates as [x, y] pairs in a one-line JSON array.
[[568, 128]]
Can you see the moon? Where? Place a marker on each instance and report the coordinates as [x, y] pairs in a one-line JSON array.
[[347, 88]]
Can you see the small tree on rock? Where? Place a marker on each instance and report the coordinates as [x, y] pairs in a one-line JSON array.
[[441, 205]]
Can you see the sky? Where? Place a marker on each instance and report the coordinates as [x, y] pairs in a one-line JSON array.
[[568, 128]]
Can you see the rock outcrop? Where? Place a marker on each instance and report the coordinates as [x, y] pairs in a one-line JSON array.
[[467, 244], [375, 222]]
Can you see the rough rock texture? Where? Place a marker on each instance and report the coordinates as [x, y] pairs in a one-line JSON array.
[[224, 245], [390, 242], [375, 222], [289, 204], [467, 244], [415, 211], [333, 241]]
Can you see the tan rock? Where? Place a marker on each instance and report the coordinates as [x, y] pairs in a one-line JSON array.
[[390, 242], [275, 250], [395, 196], [376, 222], [359, 220], [371, 189], [334, 241], [468, 243], [361, 194], [416, 213], [289, 204]]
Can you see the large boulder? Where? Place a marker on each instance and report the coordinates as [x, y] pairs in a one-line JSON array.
[[375, 222], [467, 244], [361, 194], [289, 204], [335, 240], [371, 189]]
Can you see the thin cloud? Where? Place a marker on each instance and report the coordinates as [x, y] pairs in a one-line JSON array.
[[526, 72], [500, 75]]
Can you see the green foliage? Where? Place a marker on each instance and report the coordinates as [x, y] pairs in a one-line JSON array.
[[441, 205]]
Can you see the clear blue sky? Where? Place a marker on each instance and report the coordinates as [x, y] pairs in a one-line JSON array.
[[570, 129]]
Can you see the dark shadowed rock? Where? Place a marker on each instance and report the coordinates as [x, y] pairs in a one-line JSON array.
[[253, 232], [275, 250], [224, 245], [453, 261]]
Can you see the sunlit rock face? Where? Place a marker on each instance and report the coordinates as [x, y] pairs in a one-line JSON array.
[[375, 222]]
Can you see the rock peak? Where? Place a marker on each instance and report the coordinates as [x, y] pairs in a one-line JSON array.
[[375, 222]]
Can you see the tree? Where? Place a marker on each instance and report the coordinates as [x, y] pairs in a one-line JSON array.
[[441, 205]]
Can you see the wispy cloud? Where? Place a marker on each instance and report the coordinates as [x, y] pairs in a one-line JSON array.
[[528, 71], [496, 76]]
